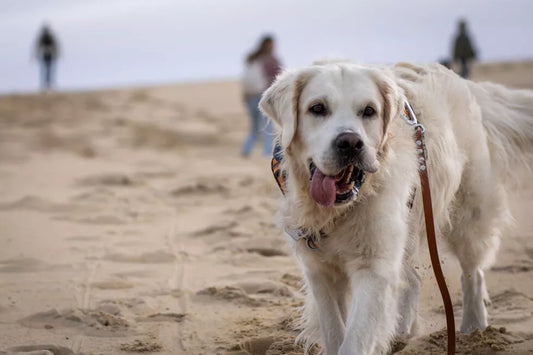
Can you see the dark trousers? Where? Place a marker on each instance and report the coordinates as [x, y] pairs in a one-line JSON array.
[[464, 72], [47, 73]]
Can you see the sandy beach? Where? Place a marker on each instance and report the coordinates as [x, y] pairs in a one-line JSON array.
[[129, 223]]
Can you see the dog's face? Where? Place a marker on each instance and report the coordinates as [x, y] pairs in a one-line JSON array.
[[338, 114]]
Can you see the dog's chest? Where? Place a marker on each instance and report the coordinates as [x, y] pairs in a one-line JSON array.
[[342, 245]]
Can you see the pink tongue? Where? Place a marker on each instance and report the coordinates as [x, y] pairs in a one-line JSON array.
[[323, 189]]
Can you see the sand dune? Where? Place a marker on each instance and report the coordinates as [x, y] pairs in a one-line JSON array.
[[129, 223]]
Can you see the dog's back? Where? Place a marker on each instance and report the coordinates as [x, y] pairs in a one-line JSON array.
[[508, 120]]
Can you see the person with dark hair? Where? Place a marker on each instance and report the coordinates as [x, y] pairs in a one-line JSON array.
[[261, 69], [47, 54], [463, 51]]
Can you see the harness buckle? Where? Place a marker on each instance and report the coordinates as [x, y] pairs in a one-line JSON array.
[[311, 244]]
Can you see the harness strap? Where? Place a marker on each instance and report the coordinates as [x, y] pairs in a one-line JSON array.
[[310, 239], [275, 165], [281, 176]]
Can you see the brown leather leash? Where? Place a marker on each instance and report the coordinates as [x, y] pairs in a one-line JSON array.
[[410, 117]]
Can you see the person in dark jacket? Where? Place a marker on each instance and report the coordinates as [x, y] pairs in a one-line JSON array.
[[47, 54], [463, 51]]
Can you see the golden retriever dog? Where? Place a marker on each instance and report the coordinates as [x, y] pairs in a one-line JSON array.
[[352, 167]]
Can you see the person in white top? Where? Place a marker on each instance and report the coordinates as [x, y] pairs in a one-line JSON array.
[[260, 71]]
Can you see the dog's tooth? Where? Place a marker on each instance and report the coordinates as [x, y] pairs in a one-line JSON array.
[[349, 175]]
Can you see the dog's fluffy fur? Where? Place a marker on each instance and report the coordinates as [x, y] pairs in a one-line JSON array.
[[362, 285]]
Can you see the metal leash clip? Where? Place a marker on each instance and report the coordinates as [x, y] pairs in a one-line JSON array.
[[409, 115]]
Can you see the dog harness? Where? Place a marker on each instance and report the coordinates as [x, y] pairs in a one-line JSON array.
[[280, 176]]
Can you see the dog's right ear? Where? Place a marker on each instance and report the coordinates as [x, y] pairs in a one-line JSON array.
[[281, 102]]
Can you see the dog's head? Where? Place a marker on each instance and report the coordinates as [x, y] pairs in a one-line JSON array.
[[333, 121]]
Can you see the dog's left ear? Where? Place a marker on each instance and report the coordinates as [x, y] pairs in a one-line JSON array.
[[281, 102], [392, 101]]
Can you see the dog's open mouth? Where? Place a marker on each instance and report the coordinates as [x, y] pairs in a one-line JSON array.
[[336, 190]]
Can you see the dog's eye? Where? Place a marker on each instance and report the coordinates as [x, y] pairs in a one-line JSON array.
[[318, 110], [368, 112]]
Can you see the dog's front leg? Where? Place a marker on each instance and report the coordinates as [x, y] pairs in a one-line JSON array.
[[327, 289], [373, 314]]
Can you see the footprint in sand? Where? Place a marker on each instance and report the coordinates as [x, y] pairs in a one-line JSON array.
[[200, 187], [156, 174], [113, 285], [292, 280], [110, 179], [163, 317], [232, 294], [29, 265], [524, 264], [248, 293], [90, 322], [267, 346], [510, 306], [245, 210], [147, 135], [258, 346], [268, 252], [119, 306], [141, 346], [85, 238], [264, 287], [135, 274], [155, 257], [37, 350], [216, 228], [489, 341], [39, 204]]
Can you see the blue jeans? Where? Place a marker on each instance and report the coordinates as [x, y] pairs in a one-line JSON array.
[[260, 125], [47, 74]]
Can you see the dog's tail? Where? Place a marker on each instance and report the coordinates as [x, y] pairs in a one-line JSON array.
[[508, 120]]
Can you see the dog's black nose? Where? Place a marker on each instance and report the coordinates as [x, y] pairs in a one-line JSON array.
[[349, 143]]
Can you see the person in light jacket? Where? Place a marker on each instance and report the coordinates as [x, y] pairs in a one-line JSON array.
[[262, 66]]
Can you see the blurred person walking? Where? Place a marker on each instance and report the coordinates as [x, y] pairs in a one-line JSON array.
[[47, 54], [261, 69], [463, 51]]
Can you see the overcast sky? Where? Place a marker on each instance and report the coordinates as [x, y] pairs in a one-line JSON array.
[[122, 42]]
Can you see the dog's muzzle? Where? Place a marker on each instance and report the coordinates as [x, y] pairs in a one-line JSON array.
[[348, 147], [336, 190]]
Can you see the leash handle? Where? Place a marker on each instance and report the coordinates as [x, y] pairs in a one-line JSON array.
[[432, 242]]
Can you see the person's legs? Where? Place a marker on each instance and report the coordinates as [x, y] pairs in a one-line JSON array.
[[46, 75], [255, 118], [464, 68], [51, 74], [42, 74]]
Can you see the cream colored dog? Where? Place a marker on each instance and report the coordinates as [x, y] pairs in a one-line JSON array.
[[352, 166]]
